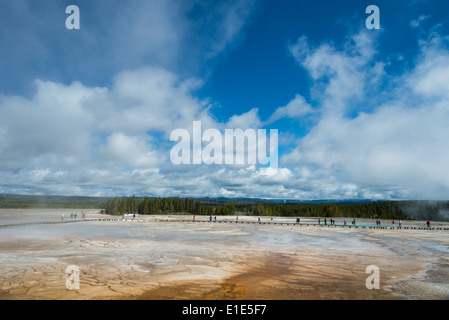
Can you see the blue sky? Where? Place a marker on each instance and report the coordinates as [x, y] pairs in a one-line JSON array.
[[360, 113]]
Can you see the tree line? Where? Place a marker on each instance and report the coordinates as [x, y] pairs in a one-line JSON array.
[[146, 205], [437, 210], [420, 210]]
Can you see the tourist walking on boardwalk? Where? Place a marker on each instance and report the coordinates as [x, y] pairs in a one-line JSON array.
[[319, 221], [345, 221], [325, 221], [400, 223]]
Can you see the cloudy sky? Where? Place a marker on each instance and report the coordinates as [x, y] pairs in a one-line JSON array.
[[360, 113]]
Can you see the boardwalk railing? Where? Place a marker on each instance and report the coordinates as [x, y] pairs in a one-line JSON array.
[[349, 226], [322, 225]]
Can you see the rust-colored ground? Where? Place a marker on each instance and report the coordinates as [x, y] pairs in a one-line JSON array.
[[213, 261]]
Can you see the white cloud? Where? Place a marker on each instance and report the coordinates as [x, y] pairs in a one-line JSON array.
[[245, 120], [296, 108], [147, 99], [339, 77], [132, 151], [399, 149], [231, 16], [53, 122], [430, 78], [73, 139], [71, 124], [417, 22]]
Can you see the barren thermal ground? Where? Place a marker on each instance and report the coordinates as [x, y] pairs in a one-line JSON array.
[[173, 257]]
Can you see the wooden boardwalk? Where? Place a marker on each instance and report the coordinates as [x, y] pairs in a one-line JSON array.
[[322, 225]]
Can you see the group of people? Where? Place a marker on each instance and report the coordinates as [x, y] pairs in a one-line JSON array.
[[378, 223], [332, 221], [352, 222], [74, 215]]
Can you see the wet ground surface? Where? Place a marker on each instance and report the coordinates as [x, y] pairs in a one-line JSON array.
[[153, 259]]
